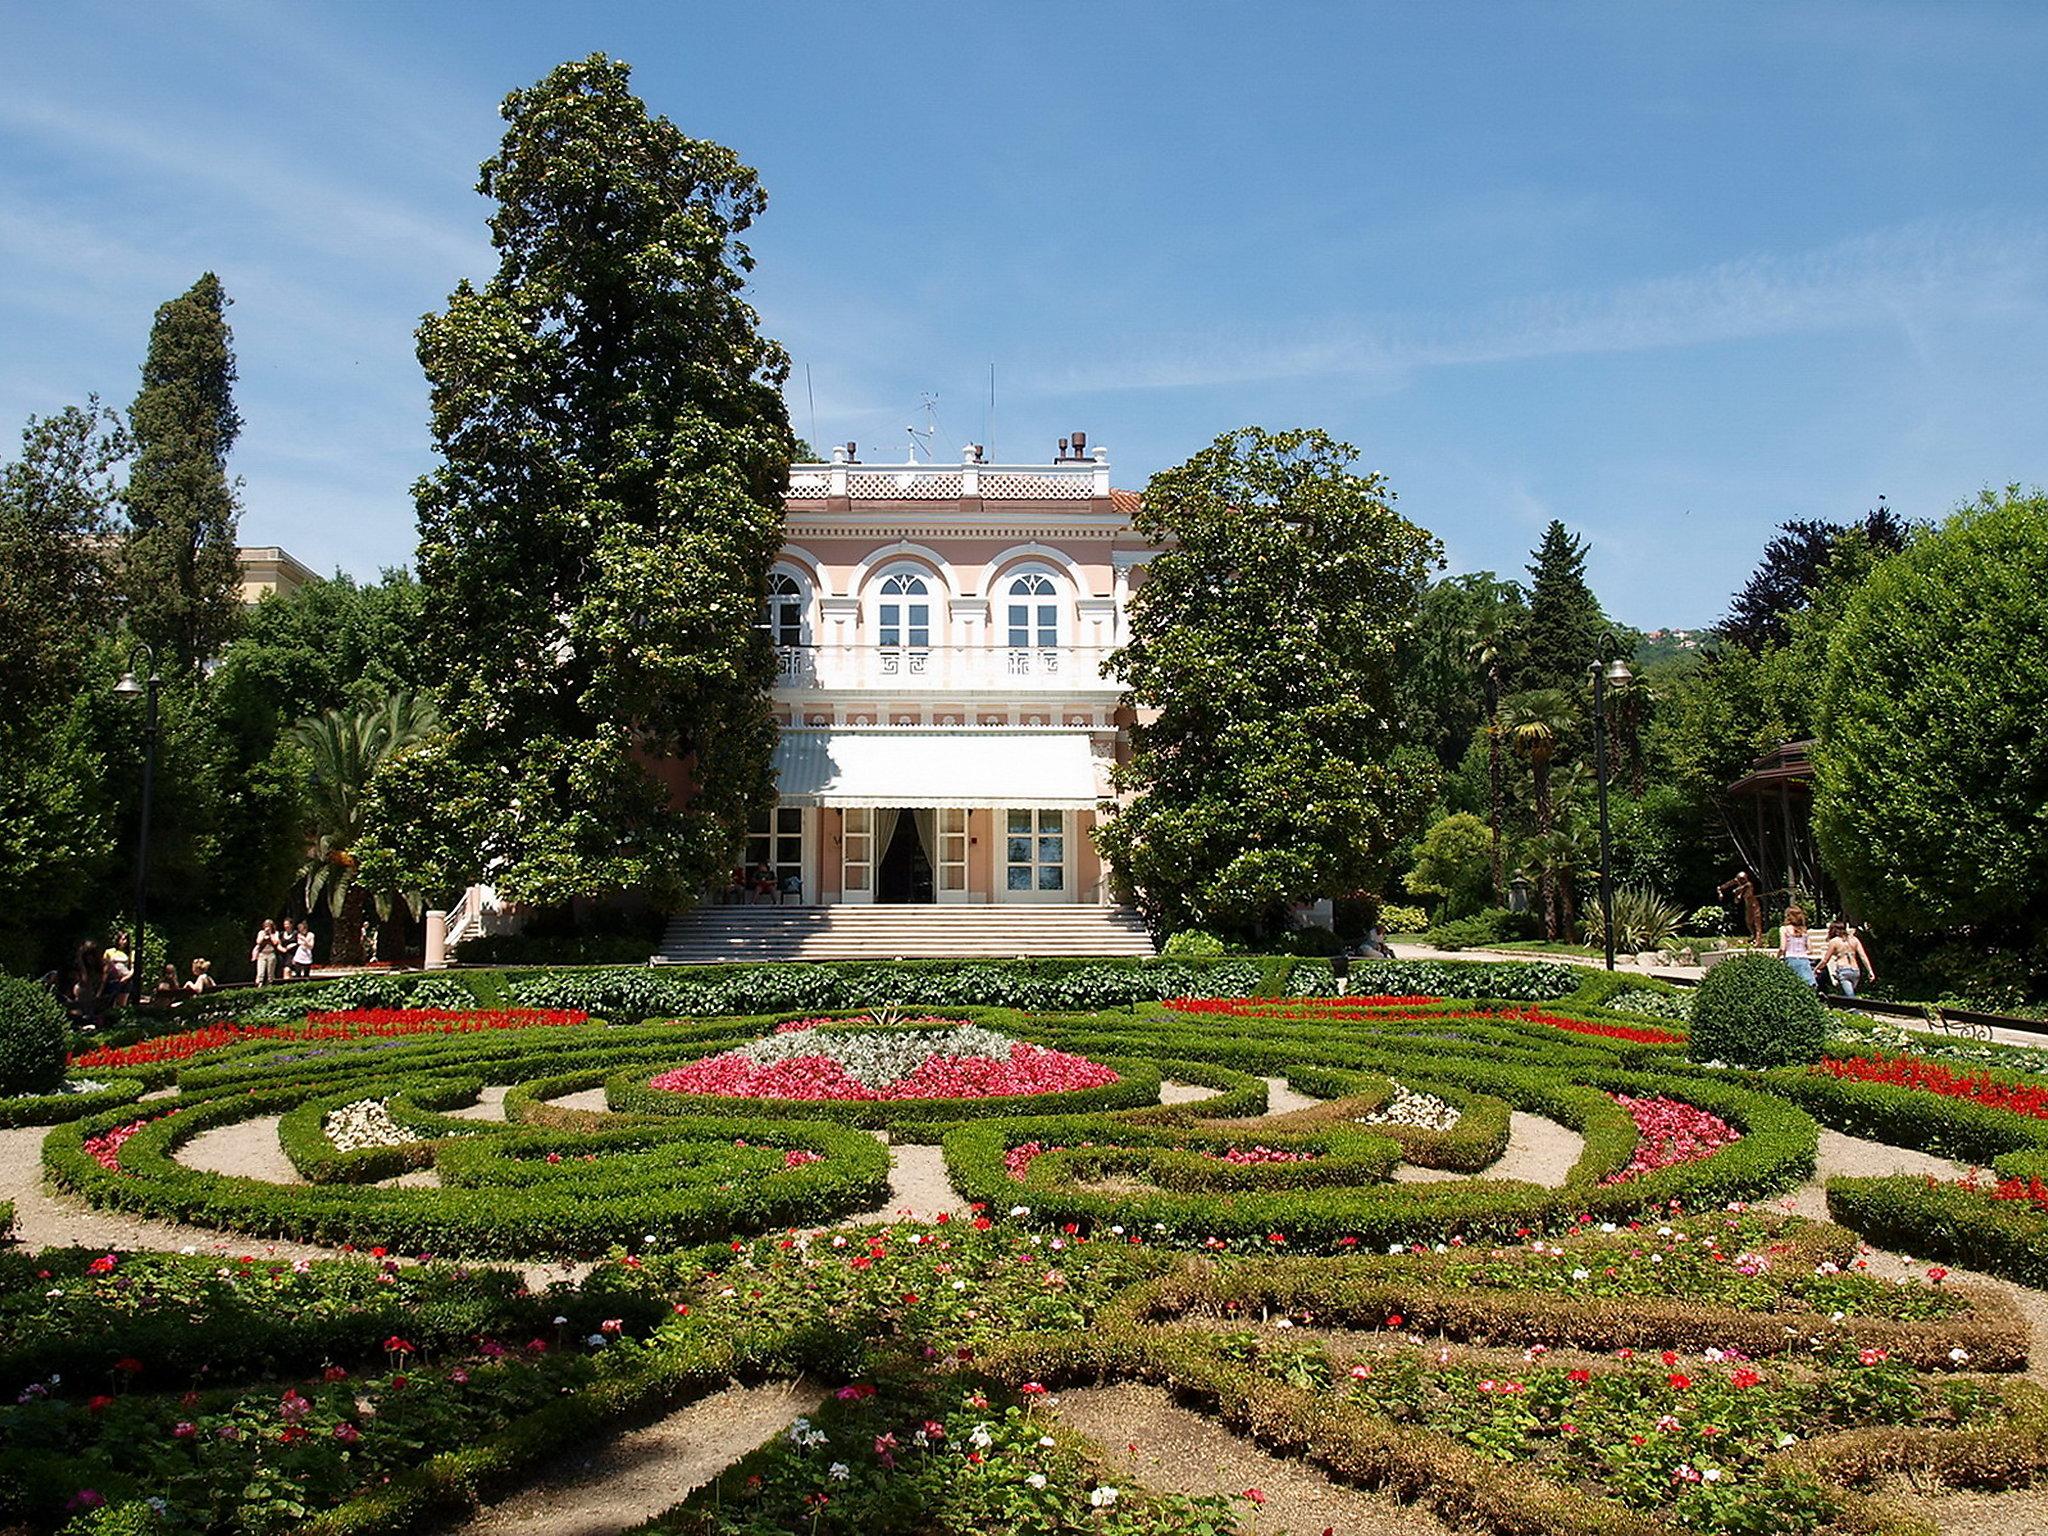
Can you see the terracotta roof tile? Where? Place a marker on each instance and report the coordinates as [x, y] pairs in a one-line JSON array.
[[1126, 502]]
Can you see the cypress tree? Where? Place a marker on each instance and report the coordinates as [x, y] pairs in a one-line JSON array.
[[1562, 634], [180, 577]]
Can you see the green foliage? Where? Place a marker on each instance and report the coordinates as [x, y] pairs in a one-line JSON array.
[[1455, 862], [1193, 943], [1643, 920], [595, 541], [1450, 663], [57, 515], [180, 578], [1931, 771], [1264, 638], [1395, 919], [1709, 920], [1557, 644], [332, 644], [1475, 932], [1752, 1011], [32, 1038]]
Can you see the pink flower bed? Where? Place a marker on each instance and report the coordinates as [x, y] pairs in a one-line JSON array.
[[105, 1148], [877, 1066], [1669, 1132], [1249, 1156]]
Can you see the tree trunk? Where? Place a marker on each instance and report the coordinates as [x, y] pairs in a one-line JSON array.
[[1548, 880], [1500, 889], [348, 927]]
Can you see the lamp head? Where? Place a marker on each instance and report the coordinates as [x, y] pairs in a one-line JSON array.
[[128, 687], [1618, 673]]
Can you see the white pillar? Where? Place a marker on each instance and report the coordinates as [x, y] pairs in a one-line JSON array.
[[437, 941]]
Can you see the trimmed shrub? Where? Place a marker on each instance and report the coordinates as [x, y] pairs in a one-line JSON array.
[[32, 1038], [1752, 1011], [1395, 919], [1193, 943], [1474, 932]]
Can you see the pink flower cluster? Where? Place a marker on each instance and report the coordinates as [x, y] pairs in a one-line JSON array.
[[1247, 1156], [1018, 1160], [1668, 1132], [796, 1157], [1029, 1069], [105, 1148]]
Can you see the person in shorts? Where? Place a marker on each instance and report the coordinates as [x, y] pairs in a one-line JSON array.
[[1845, 960]]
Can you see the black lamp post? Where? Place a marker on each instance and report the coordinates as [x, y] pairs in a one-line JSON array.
[[129, 687], [1610, 669]]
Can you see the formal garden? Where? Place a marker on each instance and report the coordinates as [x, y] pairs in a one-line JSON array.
[[1033, 1246]]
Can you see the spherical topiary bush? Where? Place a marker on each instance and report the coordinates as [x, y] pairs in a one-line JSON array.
[[31, 1039], [1752, 1011]]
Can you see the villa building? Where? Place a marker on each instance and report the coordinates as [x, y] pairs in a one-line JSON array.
[[947, 727]]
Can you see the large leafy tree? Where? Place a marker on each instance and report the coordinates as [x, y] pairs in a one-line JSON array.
[[1537, 725], [1931, 769], [1795, 562], [180, 577], [59, 505], [1563, 631], [594, 544], [1261, 660]]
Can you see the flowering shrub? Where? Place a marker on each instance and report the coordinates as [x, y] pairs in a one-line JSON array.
[[961, 1062], [1670, 1132], [351, 1025], [1424, 1111], [105, 1148], [1932, 1077], [365, 1123]]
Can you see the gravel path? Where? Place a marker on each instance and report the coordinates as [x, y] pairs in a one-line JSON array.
[[1539, 1151], [919, 1188], [1166, 1447], [2020, 1512], [1283, 1100], [590, 1100], [632, 1477], [248, 1149], [44, 1219], [1852, 1157], [489, 1105], [1185, 1093]]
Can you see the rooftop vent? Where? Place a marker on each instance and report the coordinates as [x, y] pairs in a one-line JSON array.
[[1073, 450]]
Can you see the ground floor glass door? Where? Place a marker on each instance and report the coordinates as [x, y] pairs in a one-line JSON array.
[[1035, 856]]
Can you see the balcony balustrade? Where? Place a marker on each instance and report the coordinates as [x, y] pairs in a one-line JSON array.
[[940, 668]]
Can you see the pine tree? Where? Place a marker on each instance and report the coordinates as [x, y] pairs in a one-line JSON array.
[[1563, 631], [180, 578], [596, 541]]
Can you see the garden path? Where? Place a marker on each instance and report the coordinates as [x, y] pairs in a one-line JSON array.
[[247, 1149], [489, 1105], [1539, 1151], [589, 1100], [1168, 1448], [919, 1187], [632, 1477], [1283, 1100], [1185, 1093]]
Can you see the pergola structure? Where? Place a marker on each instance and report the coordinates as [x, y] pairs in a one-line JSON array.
[[1769, 814]]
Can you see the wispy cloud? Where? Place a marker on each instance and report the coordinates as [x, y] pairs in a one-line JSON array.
[[1891, 278]]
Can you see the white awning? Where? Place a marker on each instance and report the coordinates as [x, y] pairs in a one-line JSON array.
[[963, 766]]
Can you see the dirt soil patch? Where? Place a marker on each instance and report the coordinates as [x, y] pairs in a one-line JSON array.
[[1163, 1446], [1539, 1151], [248, 1149], [605, 1488]]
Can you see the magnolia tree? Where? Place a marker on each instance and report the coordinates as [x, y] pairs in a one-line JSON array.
[[1260, 661], [595, 542]]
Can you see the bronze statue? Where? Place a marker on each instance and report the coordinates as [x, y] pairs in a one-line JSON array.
[[1743, 887]]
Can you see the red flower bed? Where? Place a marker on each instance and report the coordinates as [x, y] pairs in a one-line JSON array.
[[1932, 1077], [352, 1024], [105, 1148], [1238, 1006], [1668, 1132], [1403, 1010], [1030, 1069], [1605, 1031]]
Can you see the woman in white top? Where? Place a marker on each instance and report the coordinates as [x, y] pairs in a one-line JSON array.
[[1793, 946], [1846, 960]]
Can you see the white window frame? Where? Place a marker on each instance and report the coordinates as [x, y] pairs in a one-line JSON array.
[[787, 590], [1044, 824], [949, 869]]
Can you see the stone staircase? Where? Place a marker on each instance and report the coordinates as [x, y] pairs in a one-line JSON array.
[[709, 935]]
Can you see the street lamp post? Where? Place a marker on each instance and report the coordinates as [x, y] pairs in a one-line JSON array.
[[129, 687], [1609, 669]]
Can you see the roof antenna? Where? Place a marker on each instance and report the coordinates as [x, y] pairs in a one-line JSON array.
[[922, 439], [988, 426], [808, 390]]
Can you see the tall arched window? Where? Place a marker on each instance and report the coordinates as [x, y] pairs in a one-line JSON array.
[[782, 611], [1034, 616], [903, 612]]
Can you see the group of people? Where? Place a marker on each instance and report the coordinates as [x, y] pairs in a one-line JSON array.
[[282, 951], [102, 977], [1842, 958]]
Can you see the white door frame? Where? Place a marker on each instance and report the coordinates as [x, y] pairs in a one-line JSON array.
[[1065, 895]]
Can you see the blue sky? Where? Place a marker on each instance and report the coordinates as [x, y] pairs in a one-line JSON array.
[[1670, 273]]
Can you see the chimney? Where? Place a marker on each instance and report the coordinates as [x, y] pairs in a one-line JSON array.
[[852, 455], [1063, 452], [1080, 445]]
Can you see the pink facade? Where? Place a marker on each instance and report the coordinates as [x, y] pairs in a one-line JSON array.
[[941, 633]]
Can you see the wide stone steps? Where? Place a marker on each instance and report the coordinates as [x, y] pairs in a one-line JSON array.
[[710, 935]]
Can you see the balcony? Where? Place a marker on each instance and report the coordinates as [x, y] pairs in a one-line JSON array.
[[943, 668]]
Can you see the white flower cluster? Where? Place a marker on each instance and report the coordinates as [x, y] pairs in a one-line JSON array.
[[83, 1085], [805, 1435], [876, 1058], [1424, 1111], [365, 1123]]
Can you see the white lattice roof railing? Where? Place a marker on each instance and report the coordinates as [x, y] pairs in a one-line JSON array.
[[1072, 481]]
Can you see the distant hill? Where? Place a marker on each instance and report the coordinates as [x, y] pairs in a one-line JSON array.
[[1680, 645]]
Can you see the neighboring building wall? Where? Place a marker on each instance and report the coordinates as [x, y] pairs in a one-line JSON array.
[[267, 569]]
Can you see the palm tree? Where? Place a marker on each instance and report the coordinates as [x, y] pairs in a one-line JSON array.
[[1536, 721], [346, 750], [1557, 858], [1485, 650]]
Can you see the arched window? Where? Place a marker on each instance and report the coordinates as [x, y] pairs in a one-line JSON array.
[[782, 611], [903, 612], [1034, 612]]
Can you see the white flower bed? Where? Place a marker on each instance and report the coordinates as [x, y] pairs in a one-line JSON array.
[[1424, 1111], [365, 1123], [83, 1085], [875, 1059]]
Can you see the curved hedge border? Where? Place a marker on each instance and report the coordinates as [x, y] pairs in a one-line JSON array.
[[56, 1108]]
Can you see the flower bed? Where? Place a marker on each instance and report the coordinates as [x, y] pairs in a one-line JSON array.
[[364, 1123], [1980, 1087], [960, 1062], [1422, 1111], [1670, 1132], [352, 1024]]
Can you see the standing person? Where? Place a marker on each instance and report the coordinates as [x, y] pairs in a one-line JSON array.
[[1846, 960], [202, 981], [264, 953], [117, 971], [1794, 948], [302, 951]]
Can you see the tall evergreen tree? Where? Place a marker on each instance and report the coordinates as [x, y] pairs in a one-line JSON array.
[[596, 541], [1795, 563], [180, 578], [1563, 632]]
